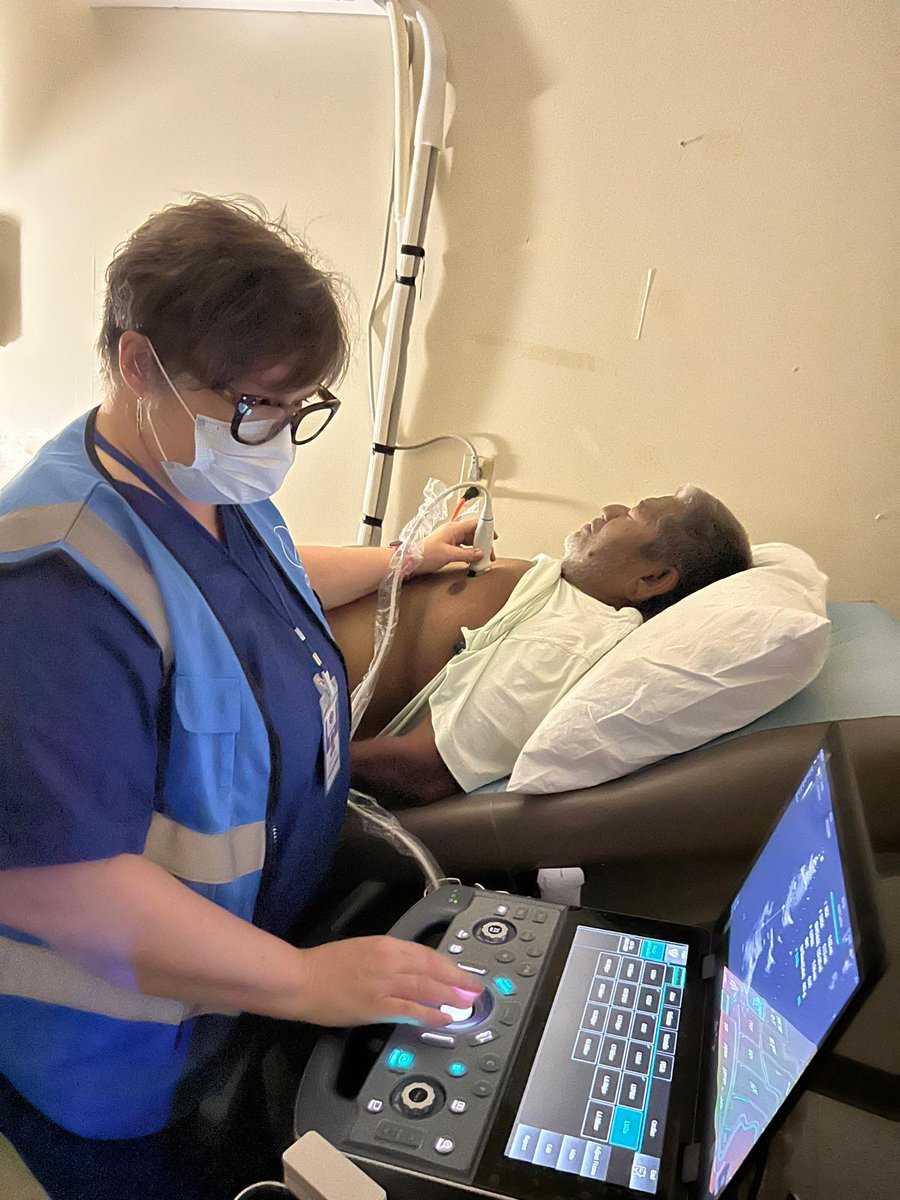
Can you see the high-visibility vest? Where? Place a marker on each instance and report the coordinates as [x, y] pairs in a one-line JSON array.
[[103, 1060]]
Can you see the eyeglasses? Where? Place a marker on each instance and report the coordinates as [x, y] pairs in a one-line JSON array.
[[263, 426]]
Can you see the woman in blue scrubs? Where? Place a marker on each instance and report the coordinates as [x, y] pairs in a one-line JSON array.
[[174, 717]]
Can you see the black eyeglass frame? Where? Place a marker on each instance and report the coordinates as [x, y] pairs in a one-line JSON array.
[[245, 404]]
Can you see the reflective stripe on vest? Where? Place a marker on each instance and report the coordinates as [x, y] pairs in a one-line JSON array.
[[91, 538], [39, 973], [206, 857]]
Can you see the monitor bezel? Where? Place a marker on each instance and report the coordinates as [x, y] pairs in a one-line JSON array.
[[858, 862]]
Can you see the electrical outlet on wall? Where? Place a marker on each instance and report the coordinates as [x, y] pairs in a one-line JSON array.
[[486, 470]]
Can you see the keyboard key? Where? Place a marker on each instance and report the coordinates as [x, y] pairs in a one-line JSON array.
[[596, 1161], [624, 994], [655, 1121], [644, 1027], [571, 1156], [605, 1087], [601, 991], [638, 1058], [612, 1052], [648, 999], [667, 1041], [549, 1147], [672, 995], [654, 974], [626, 1128], [653, 950], [598, 1121], [662, 1067], [594, 1017], [670, 1018], [630, 970], [644, 1173], [525, 1143], [608, 965], [619, 1023], [629, 945], [634, 1090], [587, 1046]]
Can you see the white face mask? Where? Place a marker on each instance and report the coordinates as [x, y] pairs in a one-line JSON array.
[[225, 471]]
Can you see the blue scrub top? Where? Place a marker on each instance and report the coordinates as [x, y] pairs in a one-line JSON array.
[[83, 728]]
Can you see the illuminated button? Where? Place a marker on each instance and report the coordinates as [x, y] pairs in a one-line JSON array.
[[454, 948], [462, 934], [375, 1106], [457, 1069], [504, 985], [444, 1145], [501, 910], [472, 968], [401, 1061], [439, 1039], [457, 1015], [458, 1106]]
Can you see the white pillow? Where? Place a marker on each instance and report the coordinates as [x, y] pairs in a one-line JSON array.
[[711, 663]]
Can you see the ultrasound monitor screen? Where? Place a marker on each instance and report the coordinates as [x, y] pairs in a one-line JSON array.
[[597, 1095], [790, 969]]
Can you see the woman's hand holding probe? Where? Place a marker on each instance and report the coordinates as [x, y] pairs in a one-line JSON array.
[[450, 543], [364, 981]]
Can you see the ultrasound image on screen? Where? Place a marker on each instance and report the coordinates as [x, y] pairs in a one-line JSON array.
[[790, 970], [596, 1099]]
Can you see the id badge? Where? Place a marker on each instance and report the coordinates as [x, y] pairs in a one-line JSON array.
[[329, 693]]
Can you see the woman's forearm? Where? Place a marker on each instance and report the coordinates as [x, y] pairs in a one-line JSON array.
[[130, 922], [341, 574]]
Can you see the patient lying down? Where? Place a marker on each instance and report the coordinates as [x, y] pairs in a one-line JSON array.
[[477, 663]]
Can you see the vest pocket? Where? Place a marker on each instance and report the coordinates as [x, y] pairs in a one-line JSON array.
[[208, 710]]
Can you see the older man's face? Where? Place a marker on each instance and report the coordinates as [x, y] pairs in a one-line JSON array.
[[625, 530]]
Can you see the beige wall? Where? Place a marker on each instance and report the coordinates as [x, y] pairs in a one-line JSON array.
[[768, 366]]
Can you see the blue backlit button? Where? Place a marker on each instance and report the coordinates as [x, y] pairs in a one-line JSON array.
[[504, 985], [401, 1061], [626, 1128], [644, 1173], [490, 1063], [525, 1143], [571, 1156], [549, 1146], [444, 1145], [653, 950], [458, 1106], [596, 1161], [457, 1069]]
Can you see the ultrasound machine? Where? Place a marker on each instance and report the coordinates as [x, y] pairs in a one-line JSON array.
[[610, 1053]]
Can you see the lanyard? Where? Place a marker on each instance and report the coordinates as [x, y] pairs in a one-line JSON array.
[[270, 593]]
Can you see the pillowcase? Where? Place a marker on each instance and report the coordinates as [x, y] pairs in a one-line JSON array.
[[715, 661]]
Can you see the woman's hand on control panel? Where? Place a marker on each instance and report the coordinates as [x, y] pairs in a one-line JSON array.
[[364, 981]]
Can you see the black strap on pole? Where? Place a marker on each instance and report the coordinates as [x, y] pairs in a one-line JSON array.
[[413, 252], [380, 448], [375, 522]]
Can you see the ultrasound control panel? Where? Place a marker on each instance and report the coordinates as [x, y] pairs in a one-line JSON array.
[[430, 1098], [432, 1095]]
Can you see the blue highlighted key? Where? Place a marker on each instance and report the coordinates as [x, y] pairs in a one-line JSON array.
[[457, 1069], [626, 1128], [505, 986], [401, 1061], [653, 950]]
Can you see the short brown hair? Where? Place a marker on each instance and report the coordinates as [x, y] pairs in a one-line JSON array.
[[221, 290], [704, 542]]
